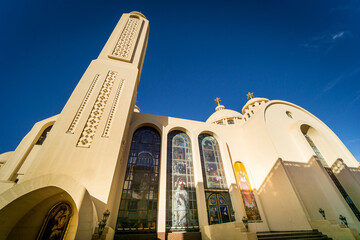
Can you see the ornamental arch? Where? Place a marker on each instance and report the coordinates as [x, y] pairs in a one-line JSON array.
[[25, 207]]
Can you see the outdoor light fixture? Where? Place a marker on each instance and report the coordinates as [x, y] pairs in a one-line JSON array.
[[343, 220], [232, 215], [322, 212], [245, 221], [102, 223]]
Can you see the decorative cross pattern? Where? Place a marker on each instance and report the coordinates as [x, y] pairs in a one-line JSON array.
[[113, 110], [93, 121], [126, 43], [82, 106]]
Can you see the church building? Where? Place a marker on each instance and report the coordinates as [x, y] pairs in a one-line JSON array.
[[101, 169]]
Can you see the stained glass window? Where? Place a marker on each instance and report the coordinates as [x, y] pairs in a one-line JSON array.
[[181, 209], [138, 206], [211, 162], [219, 209], [247, 193], [218, 200]]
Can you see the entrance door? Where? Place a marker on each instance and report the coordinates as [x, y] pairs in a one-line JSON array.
[[219, 207]]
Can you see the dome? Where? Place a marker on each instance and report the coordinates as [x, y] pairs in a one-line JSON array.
[[222, 113], [252, 101], [136, 109]]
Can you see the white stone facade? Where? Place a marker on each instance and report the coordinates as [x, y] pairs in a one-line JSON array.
[[83, 159]]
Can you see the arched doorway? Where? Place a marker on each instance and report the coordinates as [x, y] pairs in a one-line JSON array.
[[25, 217], [24, 207]]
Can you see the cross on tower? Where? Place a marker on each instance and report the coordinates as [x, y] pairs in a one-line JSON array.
[[217, 100]]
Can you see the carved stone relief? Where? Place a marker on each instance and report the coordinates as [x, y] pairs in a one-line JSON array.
[[82, 106], [93, 121], [113, 110], [125, 46]]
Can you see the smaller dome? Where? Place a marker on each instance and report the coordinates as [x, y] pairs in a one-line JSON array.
[[253, 101], [136, 109], [222, 113]]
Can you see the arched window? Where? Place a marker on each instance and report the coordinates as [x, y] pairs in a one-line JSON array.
[[242, 178], [181, 209], [138, 206], [44, 135], [56, 222], [304, 130], [212, 166], [218, 200]]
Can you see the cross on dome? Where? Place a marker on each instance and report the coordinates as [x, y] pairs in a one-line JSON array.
[[250, 95], [217, 100]]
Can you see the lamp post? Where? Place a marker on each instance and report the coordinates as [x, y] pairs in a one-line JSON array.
[[322, 212], [102, 223], [343, 220], [245, 221]]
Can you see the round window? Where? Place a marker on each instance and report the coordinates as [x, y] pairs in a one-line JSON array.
[[289, 114]]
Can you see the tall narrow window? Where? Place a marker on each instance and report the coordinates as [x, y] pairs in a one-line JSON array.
[[211, 162], [316, 150], [138, 206], [242, 178], [181, 209], [44, 135], [218, 200]]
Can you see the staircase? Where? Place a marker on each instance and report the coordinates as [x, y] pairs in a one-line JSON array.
[[313, 235]]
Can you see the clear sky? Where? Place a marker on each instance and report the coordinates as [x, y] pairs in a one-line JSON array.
[[305, 52]]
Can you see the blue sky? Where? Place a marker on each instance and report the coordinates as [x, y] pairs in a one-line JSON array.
[[305, 52]]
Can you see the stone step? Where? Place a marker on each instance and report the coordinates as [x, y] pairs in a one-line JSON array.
[[136, 236], [295, 237], [183, 236], [286, 235], [154, 236]]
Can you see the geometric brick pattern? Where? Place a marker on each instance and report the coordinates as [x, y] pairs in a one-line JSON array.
[[125, 45], [82, 105], [88, 133], [113, 110]]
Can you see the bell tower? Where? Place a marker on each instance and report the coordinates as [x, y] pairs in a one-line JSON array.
[[87, 136]]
